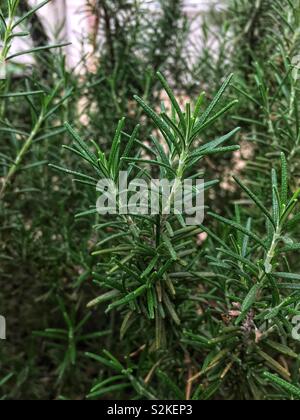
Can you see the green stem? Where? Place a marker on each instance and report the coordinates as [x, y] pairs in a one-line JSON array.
[[271, 253], [21, 155], [177, 183], [6, 41]]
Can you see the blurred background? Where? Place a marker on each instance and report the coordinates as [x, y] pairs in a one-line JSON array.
[[116, 48], [71, 20]]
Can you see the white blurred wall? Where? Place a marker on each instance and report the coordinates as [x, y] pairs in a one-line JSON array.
[[67, 20]]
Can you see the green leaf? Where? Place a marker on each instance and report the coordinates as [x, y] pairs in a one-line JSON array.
[[160, 123], [199, 103], [214, 103], [20, 94], [104, 298], [131, 141], [70, 172], [109, 363], [290, 248], [82, 146], [246, 238], [281, 348], [30, 13], [238, 257], [210, 391], [6, 379], [273, 364], [164, 158], [256, 200], [175, 128], [108, 390], [113, 162], [108, 381], [151, 303], [209, 122], [53, 110], [170, 248], [251, 297], [170, 384], [38, 49], [215, 143], [289, 286], [222, 150], [289, 276], [170, 307], [150, 267], [284, 179], [238, 227], [286, 386], [127, 299], [150, 162], [173, 99]]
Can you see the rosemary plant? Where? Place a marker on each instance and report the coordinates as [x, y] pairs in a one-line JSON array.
[[258, 296], [142, 252], [130, 45], [9, 30], [132, 306]]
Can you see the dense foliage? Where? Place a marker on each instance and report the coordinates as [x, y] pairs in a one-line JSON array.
[[133, 306]]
